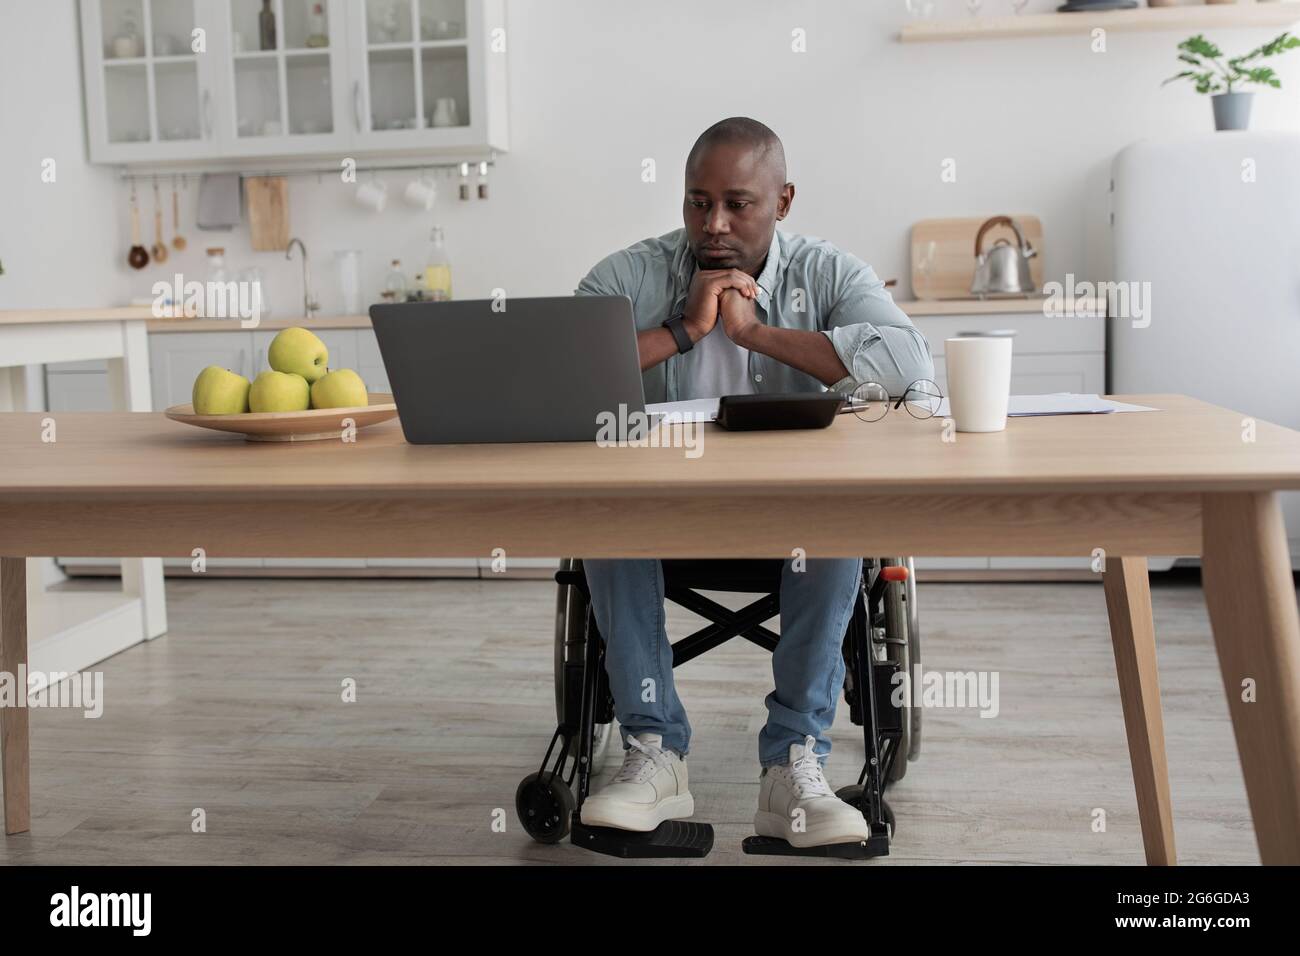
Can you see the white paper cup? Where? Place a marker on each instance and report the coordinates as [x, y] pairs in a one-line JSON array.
[[979, 381]]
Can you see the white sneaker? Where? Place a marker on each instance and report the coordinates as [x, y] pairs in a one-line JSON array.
[[796, 804], [649, 789]]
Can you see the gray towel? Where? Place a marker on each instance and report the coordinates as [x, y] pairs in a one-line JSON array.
[[219, 205]]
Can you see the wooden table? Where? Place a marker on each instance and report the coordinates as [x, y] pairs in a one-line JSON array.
[[1178, 481], [71, 630]]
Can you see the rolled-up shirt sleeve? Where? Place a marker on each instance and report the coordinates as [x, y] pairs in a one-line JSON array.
[[617, 274], [873, 337]]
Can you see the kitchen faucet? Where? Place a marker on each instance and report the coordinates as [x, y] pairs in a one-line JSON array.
[[309, 305]]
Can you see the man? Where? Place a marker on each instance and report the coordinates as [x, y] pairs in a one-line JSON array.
[[729, 306]]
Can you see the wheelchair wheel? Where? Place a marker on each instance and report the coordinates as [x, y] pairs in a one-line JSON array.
[[853, 794], [914, 648], [571, 611], [898, 650], [544, 804]]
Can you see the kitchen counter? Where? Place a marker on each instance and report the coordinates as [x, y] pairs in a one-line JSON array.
[[105, 314], [273, 324], [994, 306], [278, 322]]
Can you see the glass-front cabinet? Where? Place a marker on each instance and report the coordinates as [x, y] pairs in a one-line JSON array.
[[148, 85], [288, 74], [182, 80], [413, 72]]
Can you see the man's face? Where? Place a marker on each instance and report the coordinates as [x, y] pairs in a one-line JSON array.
[[734, 198]]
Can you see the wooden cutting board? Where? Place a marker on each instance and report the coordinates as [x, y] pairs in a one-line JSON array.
[[268, 212], [954, 253]]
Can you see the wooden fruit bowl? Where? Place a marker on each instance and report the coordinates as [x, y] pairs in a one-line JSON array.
[[312, 425]]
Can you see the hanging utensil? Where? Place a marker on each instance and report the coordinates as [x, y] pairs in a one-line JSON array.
[[138, 257], [159, 248], [178, 241]]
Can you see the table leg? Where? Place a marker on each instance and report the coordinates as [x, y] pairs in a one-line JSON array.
[[1132, 631], [13, 388], [14, 765], [129, 383], [1246, 573]]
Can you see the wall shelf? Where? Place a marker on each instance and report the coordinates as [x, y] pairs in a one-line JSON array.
[[1245, 15]]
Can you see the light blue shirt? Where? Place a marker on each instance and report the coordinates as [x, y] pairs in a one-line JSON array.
[[716, 366], [806, 283]]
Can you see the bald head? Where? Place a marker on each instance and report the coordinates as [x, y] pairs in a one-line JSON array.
[[747, 134], [736, 193]]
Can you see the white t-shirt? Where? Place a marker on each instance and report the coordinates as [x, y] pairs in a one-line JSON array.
[[716, 366]]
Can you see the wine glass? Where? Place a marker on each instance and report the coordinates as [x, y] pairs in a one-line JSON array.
[[974, 6]]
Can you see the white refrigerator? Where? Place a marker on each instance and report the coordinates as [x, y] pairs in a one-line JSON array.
[[1209, 226]]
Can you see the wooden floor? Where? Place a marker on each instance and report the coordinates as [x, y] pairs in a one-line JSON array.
[[238, 711]]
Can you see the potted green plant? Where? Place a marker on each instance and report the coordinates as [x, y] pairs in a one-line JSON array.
[[1220, 79]]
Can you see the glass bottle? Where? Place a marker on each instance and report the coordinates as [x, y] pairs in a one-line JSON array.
[[216, 275], [266, 26], [317, 35], [437, 268], [395, 283]]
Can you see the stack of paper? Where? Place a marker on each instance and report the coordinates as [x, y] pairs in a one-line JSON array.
[[1020, 406], [1059, 403]]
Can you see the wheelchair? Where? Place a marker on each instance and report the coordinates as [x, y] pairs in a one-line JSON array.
[[882, 641]]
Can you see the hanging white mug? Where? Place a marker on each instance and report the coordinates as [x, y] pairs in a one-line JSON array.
[[421, 193], [373, 195]]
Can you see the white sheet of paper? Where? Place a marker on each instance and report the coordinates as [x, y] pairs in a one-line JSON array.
[[693, 410], [1020, 406], [1061, 403]]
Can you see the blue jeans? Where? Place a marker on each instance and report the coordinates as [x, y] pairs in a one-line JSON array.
[[627, 597]]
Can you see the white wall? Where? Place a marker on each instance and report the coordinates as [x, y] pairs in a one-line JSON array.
[[59, 241], [598, 85]]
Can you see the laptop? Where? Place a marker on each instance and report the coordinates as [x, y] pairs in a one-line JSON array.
[[540, 370]]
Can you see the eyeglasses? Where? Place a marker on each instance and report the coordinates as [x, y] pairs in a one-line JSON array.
[[871, 401]]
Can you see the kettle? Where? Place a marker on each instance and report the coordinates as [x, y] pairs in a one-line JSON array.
[[1004, 269]]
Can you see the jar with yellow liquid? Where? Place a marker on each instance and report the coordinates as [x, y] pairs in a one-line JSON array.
[[437, 268]]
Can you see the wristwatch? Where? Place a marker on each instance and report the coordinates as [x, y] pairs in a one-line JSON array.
[[680, 335]]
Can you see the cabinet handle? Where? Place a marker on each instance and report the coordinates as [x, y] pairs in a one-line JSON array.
[[207, 114], [356, 104], [243, 356]]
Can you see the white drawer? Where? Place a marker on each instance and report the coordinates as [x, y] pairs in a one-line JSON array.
[[1035, 333]]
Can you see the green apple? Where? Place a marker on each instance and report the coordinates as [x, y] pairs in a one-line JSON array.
[[279, 392], [299, 351], [339, 388], [219, 391]]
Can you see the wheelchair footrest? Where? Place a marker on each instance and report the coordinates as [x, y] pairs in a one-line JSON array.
[[876, 845], [671, 839]]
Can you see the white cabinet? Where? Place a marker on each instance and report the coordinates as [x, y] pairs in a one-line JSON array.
[[78, 387], [149, 95], [286, 95], [1050, 355], [427, 71], [176, 358], [175, 81], [370, 364]]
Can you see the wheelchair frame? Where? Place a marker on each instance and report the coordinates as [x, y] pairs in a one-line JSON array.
[[882, 638]]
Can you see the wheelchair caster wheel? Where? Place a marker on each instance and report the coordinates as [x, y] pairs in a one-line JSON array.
[[545, 807], [853, 794]]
